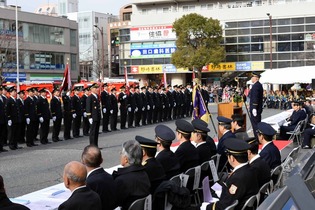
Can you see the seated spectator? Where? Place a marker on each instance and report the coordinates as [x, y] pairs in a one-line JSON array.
[[82, 197], [308, 134], [132, 182], [98, 179], [5, 203], [237, 125]]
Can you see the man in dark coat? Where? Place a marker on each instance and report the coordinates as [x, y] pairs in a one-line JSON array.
[[150, 105], [238, 127], [105, 100], [4, 133], [131, 107], [44, 115], [144, 105], [36, 124], [131, 181], [56, 113], [86, 124], [157, 105], [242, 182], [98, 179], [31, 117], [123, 100], [269, 152], [114, 109], [256, 101], [93, 112], [5, 203], [139, 106], [171, 102], [82, 197], [21, 122], [186, 152], [67, 115], [170, 163], [76, 112], [3, 123], [176, 101]]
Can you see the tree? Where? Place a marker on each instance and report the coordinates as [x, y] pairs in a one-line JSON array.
[[198, 42]]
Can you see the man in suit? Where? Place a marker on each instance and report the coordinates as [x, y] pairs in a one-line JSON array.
[[67, 115], [157, 105], [153, 168], [166, 104], [188, 97], [139, 106], [186, 152], [93, 112], [170, 163], [131, 107], [260, 166], [114, 109], [171, 101], [144, 105], [76, 112], [56, 113], [12, 117], [86, 124], [256, 101], [105, 100], [206, 149], [82, 197], [4, 133], [21, 122], [150, 105], [176, 101], [123, 100], [237, 125], [31, 118], [36, 123], [44, 115], [225, 130], [132, 182], [241, 183], [269, 152], [3, 123], [98, 179]]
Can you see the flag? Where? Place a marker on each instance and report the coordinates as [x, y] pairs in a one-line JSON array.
[[164, 79], [66, 81], [200, 110], [126, 77]]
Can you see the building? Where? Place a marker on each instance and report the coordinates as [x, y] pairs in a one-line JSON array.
[[46, 44], [149, 40], [67, 6]]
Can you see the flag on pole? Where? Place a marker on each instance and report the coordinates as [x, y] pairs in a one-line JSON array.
[[200, 110], [66, 81], [126, 77], [164, 81]]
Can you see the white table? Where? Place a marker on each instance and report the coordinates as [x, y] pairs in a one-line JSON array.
[[279, 119]]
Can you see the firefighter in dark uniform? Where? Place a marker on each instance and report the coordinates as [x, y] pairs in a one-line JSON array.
[[56, 113], [114, 109], [145, 103], [182, 101], [166, 104], [139, 106], [36, 124], [31, 117], [105, 100], [188, 97], [3, 123], [256, 101], [150, 105], [43, 113], [175, 98], [156, 105], [93, 112], [12, 116], [171, 102], [4, 135], [67, 115], [131, 107], [123, 100], [161, 108], [21, 123], [76, 113], [205, 95], [153, 168], [86, 124]]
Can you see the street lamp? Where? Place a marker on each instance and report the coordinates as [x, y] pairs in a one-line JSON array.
[[103, 62], [270, 32]]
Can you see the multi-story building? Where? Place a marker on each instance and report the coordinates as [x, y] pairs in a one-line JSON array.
[[246, 28], [46, 44]]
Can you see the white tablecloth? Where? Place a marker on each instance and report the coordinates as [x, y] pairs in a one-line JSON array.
[[279, 119]]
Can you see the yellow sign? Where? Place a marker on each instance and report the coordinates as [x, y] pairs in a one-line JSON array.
[[150, 69], [258, 65], [182, 70], [230, 66]]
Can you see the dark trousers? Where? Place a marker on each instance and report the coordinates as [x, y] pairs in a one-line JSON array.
[[170, 113], [56, 129], [175, 110], [76, 126], [3, 135], [123, 117], [106, 120], [113, 121], [30, 130], [130, 118], [149, 116], [165, 113], [13, 135], [144, 117], [95, 127], [21, 132], [36, 128], [67, 125], [156, 113], [86, 126], [43, 131], [284, 130], [138, 117], [308, 135]]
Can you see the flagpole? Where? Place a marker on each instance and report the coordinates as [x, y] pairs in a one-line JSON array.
[[17, 48]]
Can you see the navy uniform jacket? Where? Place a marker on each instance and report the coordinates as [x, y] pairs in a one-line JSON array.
[[156, 100], [55, 108], [132, 183], [205, 96], [271, 155], [82, 199], [221, 148], [241, 185], [122, 99], [30, 108], [132, 101], [149, 99], [67, 106], [105, 101], [169, 162], [205, 152], [2, 115], [6, 204], [166, 102], [144, 99], [187, 155], [43, 108], [139, 102], [76, 105], [21, 108], [102, 183], [296, 117], [113, 103], [241, 134], [256, 98], [12, 110], [170, 98], [93, 109], [155, 173], [262, 170], [83, 103]]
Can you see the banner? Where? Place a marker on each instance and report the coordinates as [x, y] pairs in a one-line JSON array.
[[200, 110], [152, 33], [66, 81]]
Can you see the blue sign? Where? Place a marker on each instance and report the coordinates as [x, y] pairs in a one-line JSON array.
[[11, 77], [243, 66], [169, 68], [152, 52]]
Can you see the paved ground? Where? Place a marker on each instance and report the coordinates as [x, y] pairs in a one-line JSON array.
[[31, 169]]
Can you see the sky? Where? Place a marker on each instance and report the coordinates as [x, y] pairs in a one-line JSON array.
[[103, 6]]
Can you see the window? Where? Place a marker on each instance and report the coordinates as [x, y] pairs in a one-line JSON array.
[[206, 6], [127, 16], [73, 62], [188, 8], [166, 10], [73, 38], [96, 20]]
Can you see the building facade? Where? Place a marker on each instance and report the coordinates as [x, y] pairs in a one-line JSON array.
[[46, 44]]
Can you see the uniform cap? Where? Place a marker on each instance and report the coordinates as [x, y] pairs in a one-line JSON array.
[[30, 89], [251, 140], [265, 129], [137, 87], [236, 146], [11, 89], [224, 120], [164, 133], [123, 87], [94, 85], [1, 87], [143, 87], [76, 88], [184, 127], [35, 89], [55, 90], [42, 90], [86, 88], [200, 126], [145, 142], [255, 74], [113, 89], [105, 84], [21, 92]]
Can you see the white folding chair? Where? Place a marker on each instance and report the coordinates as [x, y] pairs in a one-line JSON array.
[[142, 204], [276, 176], [232, 206], [296, 133], [251, 203]]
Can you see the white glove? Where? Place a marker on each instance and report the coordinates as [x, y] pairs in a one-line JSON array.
[[125, 96], [136, 109], [84, 114], [254, 112], [104, 110], [204, 206], [190, 103], [41, 119], [174, 104], [153, 106], [74, 115], [91, 121], [143, 108], [148, 107], [111, 111], [129, 109], [28, 121], [163, 106], [54, 118], [9, 122]]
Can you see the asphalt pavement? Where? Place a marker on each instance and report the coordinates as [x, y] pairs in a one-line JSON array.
[[29, 169]]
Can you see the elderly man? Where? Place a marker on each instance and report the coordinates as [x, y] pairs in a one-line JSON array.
[[132, 181], [98, 179], [82, 197]]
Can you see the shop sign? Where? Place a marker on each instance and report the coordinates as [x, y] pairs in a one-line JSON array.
[[229, 66], [152, 33]]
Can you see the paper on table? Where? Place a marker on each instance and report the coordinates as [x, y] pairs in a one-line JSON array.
[[20, 201], [43, 205]]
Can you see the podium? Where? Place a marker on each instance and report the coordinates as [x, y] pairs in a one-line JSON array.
[[228, 109]]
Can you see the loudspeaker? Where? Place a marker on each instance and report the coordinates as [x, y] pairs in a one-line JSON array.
[[313, 84]]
